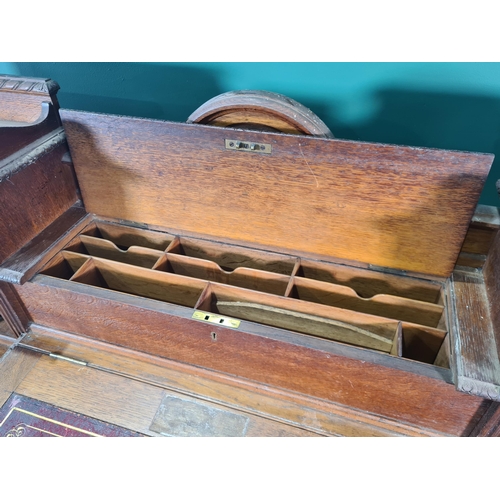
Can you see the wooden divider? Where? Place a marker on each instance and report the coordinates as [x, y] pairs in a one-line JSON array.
[[397, 315]]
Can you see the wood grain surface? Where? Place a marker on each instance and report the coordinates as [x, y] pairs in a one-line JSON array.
[[14, 366], [491, 274], [392, 206], [474, 346], [17, 136], [33, 198], [316, 415], [13, 311], [21, 97], [413, 399], [259, 110]]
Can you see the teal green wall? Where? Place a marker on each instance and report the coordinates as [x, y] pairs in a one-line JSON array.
[[441, 105]]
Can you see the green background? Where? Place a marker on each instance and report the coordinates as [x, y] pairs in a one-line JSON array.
[[439, 105]]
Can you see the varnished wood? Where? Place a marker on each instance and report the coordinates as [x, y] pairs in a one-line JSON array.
[[135, 255], [30, 258], [262, 281], [21, 97], [125, 236], [6, 340], [13, 311], [259, 110], [231, 258], [262, 230], [34, 197], [489, 426], [98, 390], [389, 306], [274, 403], [18, 137], [404, 208], [409, 398], [101, 395], [307, 323], [14, 366]]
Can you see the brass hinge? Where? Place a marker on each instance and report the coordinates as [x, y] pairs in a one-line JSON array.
[[65, 358], [250, 147]]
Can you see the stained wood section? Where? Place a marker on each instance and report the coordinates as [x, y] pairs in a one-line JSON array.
[[416, 400], [13, 311], [103, 395], [284, 407], [399, 308], [14, 366], [391, 206], [21, 97], [6, 340], [489, 425], [259, 110], [17, 136], [34, 197], [37, 252], [307, 323], [473, 341]]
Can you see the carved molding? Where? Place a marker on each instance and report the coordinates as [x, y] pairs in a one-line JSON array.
[[478, 388], [28, 85]]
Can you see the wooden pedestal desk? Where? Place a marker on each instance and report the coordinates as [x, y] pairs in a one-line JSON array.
[[261, 283]]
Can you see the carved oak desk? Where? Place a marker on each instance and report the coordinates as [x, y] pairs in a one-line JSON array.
[[338, 287]]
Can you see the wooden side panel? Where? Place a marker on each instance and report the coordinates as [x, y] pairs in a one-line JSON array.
[[24, 263], [491, 273], [413, 399], [17, 136], [474, 341], [33, 196], [21, 97], [391, 206]]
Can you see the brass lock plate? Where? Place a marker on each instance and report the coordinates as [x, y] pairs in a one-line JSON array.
[[249, 147]]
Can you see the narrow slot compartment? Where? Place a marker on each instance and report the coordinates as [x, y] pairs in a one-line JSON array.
[[64, 265], [422, 343], [443, 355], [253, 279], [389, 306], [142, 282], [134, 255], [229, 257], [88, 274], [313, 319], [397, 342], [125, 236], [367, 283]]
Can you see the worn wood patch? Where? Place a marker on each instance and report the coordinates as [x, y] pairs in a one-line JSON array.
[[183, 418], [474, 348]]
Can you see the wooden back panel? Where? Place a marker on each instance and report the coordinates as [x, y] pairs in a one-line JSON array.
[[390, 206]]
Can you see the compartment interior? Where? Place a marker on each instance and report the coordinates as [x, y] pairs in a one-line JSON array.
[[396, 315]]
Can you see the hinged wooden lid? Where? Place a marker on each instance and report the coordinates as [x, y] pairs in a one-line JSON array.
[[399, 207]]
